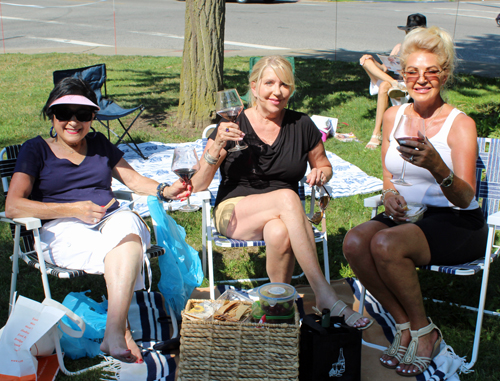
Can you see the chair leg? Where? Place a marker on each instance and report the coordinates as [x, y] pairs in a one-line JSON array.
[[41, 260], [211, 270], [15, 267], [325, 252], [482, 298]]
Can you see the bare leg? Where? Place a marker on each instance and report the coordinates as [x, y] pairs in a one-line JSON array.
[[396, 256], [280, 260], [121, 267], [376, 74], [254, 212], [384, 260], [382, 105]]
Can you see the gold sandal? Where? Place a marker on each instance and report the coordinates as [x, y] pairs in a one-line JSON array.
[[374, 145], [396, 350], [411, 358], [338, 308]]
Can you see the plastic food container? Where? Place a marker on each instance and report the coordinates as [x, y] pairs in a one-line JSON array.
[[277, 299], [415, 212], [258, 312]]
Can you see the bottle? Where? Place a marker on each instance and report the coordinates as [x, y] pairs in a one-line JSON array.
[[325, 318]]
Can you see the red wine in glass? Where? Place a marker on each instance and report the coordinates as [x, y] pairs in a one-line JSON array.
[[185, 164], [185, 173], [408, 128], [229, 106], [411, 138], [231, 113]]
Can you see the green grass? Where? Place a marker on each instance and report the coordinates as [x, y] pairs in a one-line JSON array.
[[337, 89]]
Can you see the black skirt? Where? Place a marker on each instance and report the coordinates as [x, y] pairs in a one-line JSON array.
[[454, 236]]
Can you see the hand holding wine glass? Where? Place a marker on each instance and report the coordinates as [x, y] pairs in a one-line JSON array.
[[185, 164], [408, 129], [229, 106]]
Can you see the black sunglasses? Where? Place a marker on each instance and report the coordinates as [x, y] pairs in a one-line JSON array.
[[64, 114]]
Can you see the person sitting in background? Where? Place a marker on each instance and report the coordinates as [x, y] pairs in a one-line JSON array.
[[383, 84], [64, 180], [384, 251], [258, 194]]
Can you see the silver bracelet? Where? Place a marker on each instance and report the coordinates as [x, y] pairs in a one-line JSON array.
[[385, 191], [210, 159]]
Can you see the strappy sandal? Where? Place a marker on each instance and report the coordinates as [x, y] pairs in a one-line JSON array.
[[411, 358], [396, 350], [338, 308], [374, 145]]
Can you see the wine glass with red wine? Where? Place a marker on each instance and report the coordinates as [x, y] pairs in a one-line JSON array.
[[229, 106], [185, 164], [408, 128]]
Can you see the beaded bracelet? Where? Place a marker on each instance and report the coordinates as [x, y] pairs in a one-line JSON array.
[[159, 192], [385, 191], [210, 159]]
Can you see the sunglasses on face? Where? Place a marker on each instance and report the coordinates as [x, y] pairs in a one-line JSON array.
[[414, 75], [64, 114]]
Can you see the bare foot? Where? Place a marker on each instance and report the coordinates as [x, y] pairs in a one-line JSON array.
[[132, 345], [118, 347]]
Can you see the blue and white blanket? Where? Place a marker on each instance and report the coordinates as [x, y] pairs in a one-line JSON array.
[[347, 179]]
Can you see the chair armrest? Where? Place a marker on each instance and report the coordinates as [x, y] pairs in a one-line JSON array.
[[494, 219], [30, 223], [373, 201], [204, 195]]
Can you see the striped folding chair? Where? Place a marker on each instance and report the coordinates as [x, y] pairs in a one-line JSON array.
[[210, 235], [488, 196]]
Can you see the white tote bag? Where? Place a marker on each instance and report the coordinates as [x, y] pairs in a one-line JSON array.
[[31, 328]]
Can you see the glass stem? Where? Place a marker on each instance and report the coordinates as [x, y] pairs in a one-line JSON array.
[[403, 171]]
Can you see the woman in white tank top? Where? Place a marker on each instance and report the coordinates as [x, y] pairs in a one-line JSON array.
[[384, 251]]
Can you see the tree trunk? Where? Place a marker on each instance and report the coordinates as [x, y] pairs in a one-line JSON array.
[[203, 62]]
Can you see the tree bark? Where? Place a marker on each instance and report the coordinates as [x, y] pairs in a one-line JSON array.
[[203, 62]]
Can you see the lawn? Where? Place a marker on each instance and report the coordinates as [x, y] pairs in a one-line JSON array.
[[337, 89]]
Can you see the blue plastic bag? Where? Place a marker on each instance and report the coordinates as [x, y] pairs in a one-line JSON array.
[[180, 266], [94, 315]]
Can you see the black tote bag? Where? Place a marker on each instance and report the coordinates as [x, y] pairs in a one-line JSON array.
[[332, 353]]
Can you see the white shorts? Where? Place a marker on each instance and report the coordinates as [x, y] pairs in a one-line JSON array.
[[374, 88], [70, 243]]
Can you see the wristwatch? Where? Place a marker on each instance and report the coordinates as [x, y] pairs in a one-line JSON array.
[[447, 181]]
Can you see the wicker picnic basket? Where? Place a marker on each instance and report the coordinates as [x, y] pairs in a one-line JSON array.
[[219, 350]]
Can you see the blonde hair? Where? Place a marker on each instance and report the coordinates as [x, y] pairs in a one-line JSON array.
[[281, 66], [434, 40]]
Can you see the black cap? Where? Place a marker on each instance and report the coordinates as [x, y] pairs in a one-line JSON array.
[[414, 21]]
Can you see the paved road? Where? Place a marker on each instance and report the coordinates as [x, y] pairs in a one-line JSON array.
[[341, 31]]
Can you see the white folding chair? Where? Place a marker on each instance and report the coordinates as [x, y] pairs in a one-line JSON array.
[[210, 235], [487, 185]]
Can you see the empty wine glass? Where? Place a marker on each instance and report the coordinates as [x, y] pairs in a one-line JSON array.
[[185, 164], [229, 106], [408, 128]]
